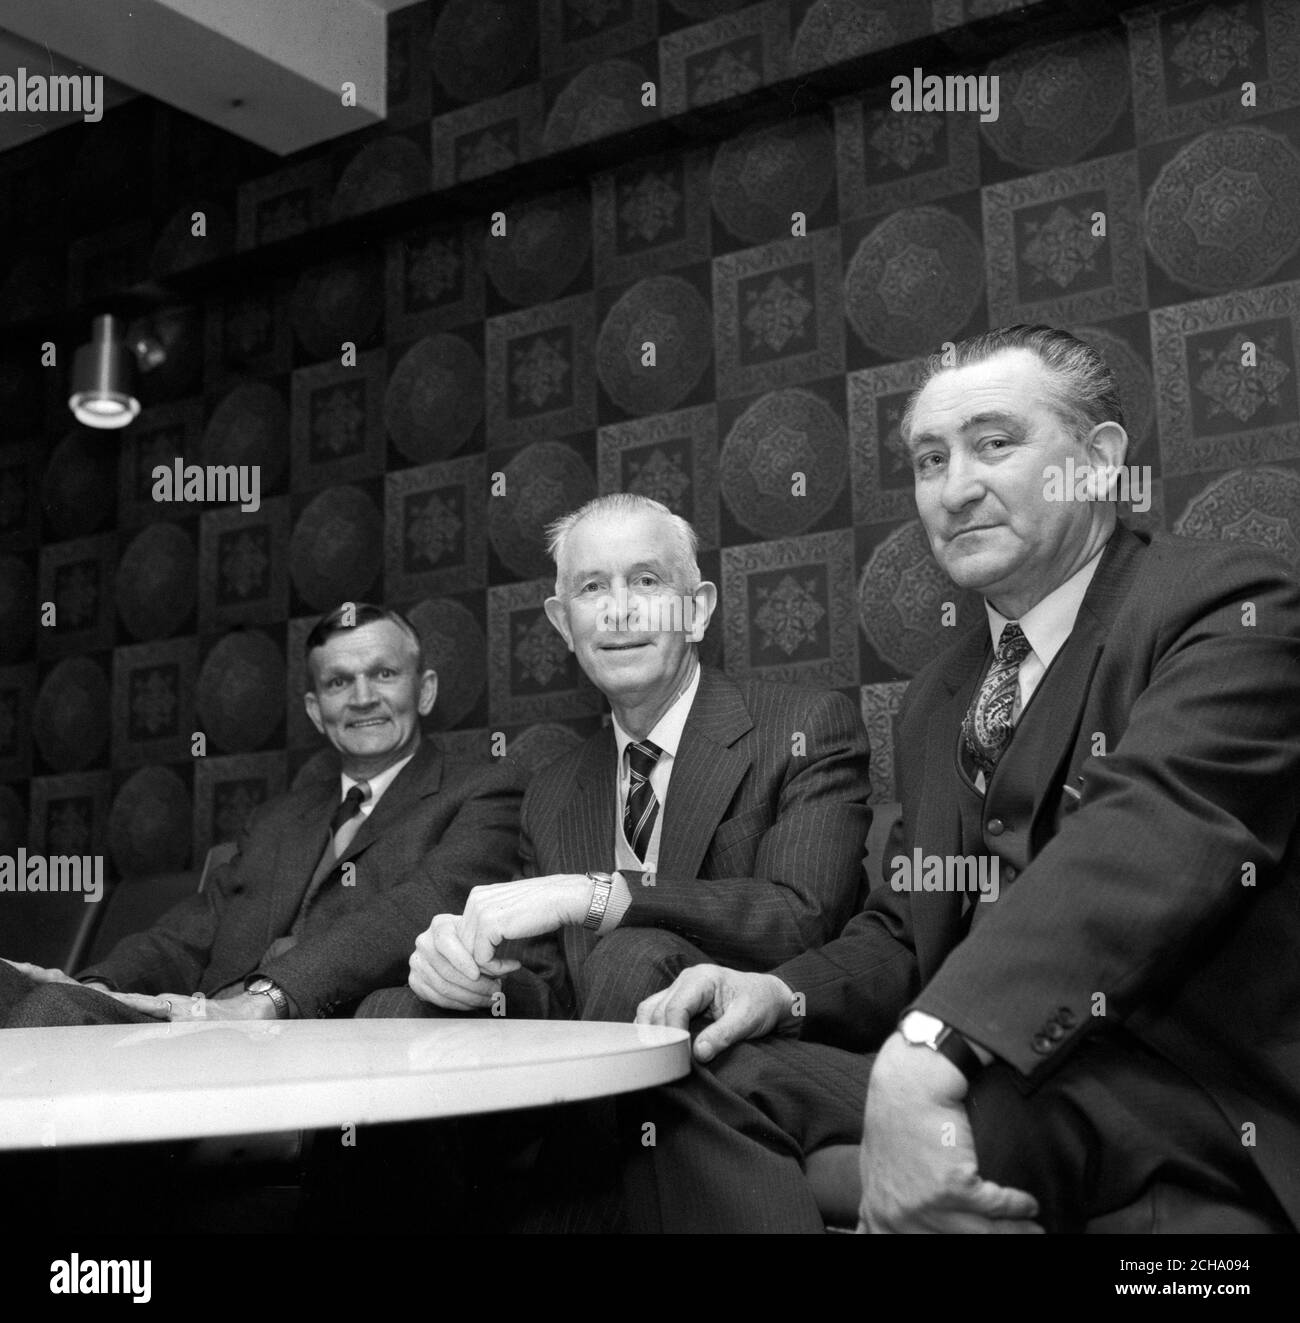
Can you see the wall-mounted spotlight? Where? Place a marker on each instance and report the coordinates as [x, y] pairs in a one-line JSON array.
[[103, 375]]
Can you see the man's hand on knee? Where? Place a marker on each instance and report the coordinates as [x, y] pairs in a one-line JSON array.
[[918, 1160], [740, 1005]]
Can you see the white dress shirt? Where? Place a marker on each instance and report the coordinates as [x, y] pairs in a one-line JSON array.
[[378, 784], [1046, 626], [667, 734]]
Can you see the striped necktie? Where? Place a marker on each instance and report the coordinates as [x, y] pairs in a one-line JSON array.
[[642, 806], [987, 727]]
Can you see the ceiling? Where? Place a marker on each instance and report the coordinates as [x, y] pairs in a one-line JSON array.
[[269, 74]]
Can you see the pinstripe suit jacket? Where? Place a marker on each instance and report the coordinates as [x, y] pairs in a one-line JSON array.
[[441, 828], [1173, 713], [763, 833]]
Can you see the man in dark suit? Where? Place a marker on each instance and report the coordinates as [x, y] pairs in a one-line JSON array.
[[331, 882], [1109, 1035], [716, 819]]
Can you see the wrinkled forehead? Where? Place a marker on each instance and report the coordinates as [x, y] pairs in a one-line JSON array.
[[612, 543], [1014, 383], [363, 647]]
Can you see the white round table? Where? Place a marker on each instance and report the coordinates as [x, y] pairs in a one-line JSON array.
[[108, 1084]]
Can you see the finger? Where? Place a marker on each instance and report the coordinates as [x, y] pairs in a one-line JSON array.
[[686, 998], [989, 1199], [650, 1011], [496, 967], [446, 996], [430, 986], [969, 1224], [38, 973], [465, 932], [717, 1037], [449, 944], [158, 1007], [741, 1019], [442, 971], [482, 943]]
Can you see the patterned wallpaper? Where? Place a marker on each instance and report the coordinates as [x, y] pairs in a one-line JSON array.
[[521, 356]]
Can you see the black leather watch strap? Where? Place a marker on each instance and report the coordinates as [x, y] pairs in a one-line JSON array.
[[953, 1046]]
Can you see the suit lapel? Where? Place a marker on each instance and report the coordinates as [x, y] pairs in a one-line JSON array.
[[421, 777], [301, 853], [1031, 768], [706, 772], [937, 914], [585, 825]]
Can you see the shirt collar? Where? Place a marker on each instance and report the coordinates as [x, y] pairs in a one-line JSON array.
[[667, 733], [1048, 623], [378, 784]]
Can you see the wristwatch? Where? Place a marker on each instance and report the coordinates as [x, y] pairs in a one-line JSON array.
[[262, 986], [601, 892], [922, 1030]]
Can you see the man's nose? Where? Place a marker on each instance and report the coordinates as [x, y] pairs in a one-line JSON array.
[[962, 484], [362, 694]]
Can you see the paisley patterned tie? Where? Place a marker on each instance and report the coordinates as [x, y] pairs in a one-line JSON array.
[[987, 727]]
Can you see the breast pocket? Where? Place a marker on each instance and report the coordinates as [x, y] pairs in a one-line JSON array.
[[1067, 805]]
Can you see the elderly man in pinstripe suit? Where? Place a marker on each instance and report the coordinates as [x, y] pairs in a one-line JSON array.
[[716, 819]]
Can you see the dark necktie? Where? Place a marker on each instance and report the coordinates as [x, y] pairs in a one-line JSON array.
[[987, 727], [349, 808], [344, 825], [642, 806]]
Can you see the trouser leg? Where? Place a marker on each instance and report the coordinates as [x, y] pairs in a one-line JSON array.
[[723, 1149]]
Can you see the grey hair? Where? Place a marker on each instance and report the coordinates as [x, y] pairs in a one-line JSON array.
[[1085, 393], [685, 542]]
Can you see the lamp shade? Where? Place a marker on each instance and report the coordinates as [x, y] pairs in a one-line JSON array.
[[102, 379]]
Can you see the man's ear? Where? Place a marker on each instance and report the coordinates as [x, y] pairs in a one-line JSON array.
[[705, 600], [312, 704], [428, 692], [558, 614], [1107, 444]]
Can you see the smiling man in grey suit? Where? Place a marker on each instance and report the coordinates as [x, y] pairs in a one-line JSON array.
[[715, 819], [331, 882]]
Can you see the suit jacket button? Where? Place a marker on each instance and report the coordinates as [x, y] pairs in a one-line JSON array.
[[1066, 1016], [1055, 1031], [996, 826], [1009, 873], [1041, 1044]]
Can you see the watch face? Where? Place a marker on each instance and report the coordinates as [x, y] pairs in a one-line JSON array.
[[259, 985]]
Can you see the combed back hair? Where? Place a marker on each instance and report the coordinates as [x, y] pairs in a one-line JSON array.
[[685, 544], [1085, 393], [348, 616]]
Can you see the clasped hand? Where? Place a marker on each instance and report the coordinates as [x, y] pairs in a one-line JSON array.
[[455, 963]]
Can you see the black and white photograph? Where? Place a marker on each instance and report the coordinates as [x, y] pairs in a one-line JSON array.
[[649, 618]]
